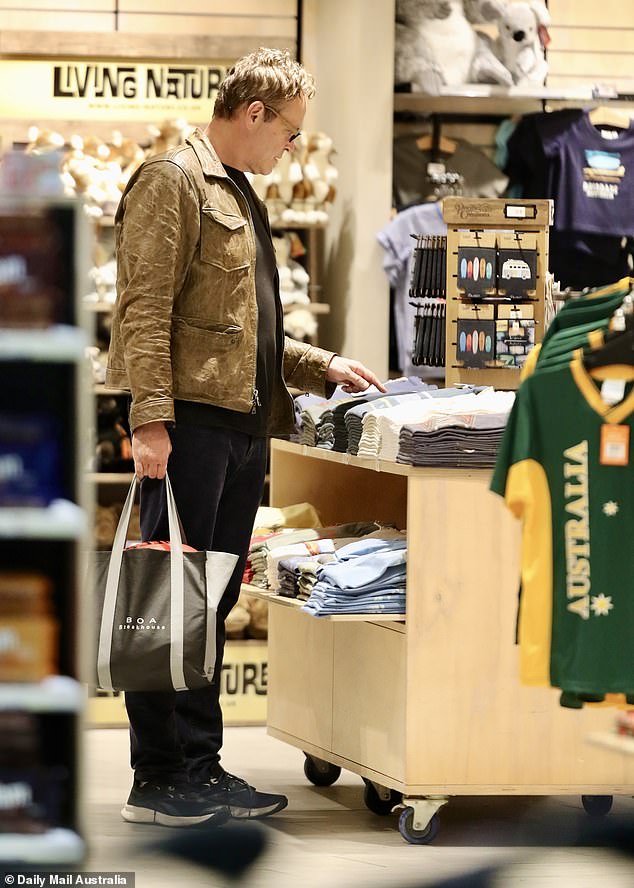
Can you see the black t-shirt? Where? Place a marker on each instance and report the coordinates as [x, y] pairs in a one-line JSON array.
[[552, 155], [266, 283]]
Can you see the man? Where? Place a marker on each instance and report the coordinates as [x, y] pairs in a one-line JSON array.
[[198, 339]]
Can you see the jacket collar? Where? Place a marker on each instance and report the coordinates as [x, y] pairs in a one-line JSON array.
[[212, 165], [205, 152]]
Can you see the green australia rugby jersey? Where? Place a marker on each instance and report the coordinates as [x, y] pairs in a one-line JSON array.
[[576, 623]]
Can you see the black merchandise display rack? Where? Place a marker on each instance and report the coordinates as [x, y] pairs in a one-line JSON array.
[[472, 221]]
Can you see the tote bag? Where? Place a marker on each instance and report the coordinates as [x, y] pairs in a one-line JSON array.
[[156, 610]]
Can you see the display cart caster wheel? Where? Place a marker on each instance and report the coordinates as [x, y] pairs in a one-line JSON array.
[[319, 772], [417, 836], [597, 805], [375, 803]]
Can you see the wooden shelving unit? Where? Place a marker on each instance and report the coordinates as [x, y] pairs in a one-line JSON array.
[[499, 101], [42, 374], [433, 707]]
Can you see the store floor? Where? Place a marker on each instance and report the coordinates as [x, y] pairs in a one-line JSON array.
[[326, 837]]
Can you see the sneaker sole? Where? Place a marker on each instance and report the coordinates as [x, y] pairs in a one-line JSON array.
[[135, 814], [256, 813]]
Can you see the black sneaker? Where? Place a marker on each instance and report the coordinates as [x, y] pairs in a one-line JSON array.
[[241, 799], [171, 805]]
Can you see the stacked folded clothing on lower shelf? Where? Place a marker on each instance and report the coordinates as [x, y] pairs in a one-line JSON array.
[[268, 550], [367, 577], [297, 575]]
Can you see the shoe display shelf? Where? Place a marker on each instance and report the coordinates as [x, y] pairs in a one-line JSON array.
[[45, 521], [427, 705]]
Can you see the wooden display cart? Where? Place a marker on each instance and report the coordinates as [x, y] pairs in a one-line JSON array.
[[428, 705]]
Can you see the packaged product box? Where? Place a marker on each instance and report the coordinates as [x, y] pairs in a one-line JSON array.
[[28, 648]]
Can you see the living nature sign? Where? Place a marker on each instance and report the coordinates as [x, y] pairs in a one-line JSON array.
[[180, 82], [116, 90]]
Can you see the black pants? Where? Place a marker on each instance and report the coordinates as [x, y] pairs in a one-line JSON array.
[[218, 477]]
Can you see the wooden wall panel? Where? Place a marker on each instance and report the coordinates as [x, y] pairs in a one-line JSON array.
[[207, 24], [582, 40], [592, 14], [592, 66], [34, 20], [210, 7], [592, 43], [273, 20], [83, 6]]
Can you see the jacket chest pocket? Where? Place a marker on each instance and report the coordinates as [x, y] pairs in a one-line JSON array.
[[223, 239]]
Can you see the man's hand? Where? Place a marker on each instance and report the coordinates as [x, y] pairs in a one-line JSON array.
[[151, 447], [351, 375]]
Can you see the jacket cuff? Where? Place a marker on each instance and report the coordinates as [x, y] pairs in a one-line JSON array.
[[305, 366], [160, 410]]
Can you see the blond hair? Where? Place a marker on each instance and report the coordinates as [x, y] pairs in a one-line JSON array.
[[271, 75]]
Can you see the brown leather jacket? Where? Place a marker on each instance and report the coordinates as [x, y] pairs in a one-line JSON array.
[[185, 320]]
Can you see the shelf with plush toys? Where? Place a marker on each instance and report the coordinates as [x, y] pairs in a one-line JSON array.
[[480, 57], [498, 101]]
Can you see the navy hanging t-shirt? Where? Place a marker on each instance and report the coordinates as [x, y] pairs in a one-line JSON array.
[[544, 163], [593, 175]]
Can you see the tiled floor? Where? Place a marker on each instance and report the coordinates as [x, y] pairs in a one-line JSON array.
[[326, 837]]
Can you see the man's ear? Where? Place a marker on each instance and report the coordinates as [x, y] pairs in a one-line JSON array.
[[254, 111]]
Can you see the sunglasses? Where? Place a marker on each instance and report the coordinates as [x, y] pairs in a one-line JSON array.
[[291, 126]]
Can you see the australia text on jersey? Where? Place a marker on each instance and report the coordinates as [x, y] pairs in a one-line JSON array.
[[577, 529]]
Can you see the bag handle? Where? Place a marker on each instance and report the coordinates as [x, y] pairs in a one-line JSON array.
[[177, 592]]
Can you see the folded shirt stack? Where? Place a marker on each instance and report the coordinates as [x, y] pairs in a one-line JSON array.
[[322, 421], [306, 550], [315, 420], [381, 431], [354, 416], [452, 446], [446, 437], [394, 387], [261, 545], [264, 548], [297, 575], [368, 576], [372, 428]]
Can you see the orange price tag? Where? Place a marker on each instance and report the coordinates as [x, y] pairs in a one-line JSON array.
[[615, 445]]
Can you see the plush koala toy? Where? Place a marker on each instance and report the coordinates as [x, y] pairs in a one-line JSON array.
[[486, 67], [436, 44], [523, 37]]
